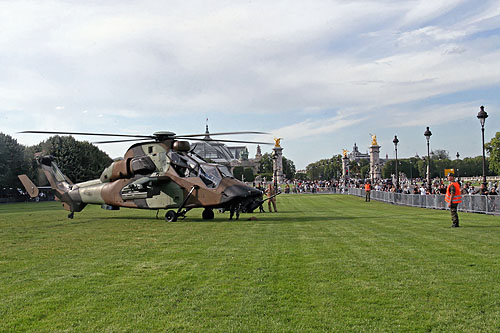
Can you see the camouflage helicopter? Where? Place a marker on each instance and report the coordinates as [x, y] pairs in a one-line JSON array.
[[161, 173]]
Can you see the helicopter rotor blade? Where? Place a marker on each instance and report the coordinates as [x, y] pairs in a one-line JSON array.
[[223, 140], [85, 133], [220, 133], [116, 141]]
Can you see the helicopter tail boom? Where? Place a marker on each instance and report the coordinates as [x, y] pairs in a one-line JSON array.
[[61, 185]]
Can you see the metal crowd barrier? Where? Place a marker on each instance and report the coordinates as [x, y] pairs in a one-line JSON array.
[[487, 204]]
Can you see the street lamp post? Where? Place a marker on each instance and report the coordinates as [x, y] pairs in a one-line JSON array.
[[411, 172], [427, 135], [482, 115], [458, 170], [395, 141]]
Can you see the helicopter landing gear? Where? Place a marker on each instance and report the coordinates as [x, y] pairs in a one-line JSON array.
[[208, 214], [171, 216]]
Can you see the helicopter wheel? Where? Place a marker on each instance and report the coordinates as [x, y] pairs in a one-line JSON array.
[[208, 214], [171, 216]]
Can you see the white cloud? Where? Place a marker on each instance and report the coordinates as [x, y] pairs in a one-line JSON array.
[[312, 127], [434, 114], [426, 10], [291, 62]]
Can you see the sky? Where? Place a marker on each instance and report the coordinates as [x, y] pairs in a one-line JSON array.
[[322, 75]]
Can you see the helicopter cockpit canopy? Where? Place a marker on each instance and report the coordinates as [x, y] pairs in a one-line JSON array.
[[189, 165]]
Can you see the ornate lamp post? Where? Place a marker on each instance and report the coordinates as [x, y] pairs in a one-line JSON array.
[[482, 115], [395, 141], [427, 135]]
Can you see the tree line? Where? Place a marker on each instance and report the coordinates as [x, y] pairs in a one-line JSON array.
[[79, 160]]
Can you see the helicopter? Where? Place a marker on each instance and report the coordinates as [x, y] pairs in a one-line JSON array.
[[161, 173]]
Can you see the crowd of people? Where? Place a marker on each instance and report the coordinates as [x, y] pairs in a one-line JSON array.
[[406, 186], [8, 195]]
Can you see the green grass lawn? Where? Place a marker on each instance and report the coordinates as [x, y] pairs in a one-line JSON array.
[[324, 262]]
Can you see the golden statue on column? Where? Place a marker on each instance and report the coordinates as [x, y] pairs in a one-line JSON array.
[[277, 142]]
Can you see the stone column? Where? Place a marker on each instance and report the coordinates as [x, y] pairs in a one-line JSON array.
[[375, 170], [345, 166], [278, 177]]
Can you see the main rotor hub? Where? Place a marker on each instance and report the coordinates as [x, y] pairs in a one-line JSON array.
[[164, 135]]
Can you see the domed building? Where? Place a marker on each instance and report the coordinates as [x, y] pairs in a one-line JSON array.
[[214, 151], [356, 155], [218, 152]]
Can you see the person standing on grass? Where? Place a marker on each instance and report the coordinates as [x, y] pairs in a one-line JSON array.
[[453, 197], [368, 190], [270, 192]]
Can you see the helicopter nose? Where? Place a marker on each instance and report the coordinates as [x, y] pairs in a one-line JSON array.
[[242, 191]]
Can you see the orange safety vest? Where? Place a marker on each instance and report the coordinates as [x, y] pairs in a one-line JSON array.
[[457, 198], [367, 187]]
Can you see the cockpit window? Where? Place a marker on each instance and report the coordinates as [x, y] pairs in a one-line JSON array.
[[196, 158], [177, 159], [187, 165], [183, 165], [225, 171], [210, 175]]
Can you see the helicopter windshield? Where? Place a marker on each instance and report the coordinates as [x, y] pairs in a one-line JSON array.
[[184, 165], [225, 171], [210, 175], [191, 166]]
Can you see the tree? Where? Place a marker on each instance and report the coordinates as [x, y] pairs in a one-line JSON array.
[[248, 175], [365, 171], [301, 176], [288, 168], [12, 161], [389, 169], [493, 148], [440, 154], [79, 160], [325, 169], [266, 166], [238, 172], [354, 169]]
